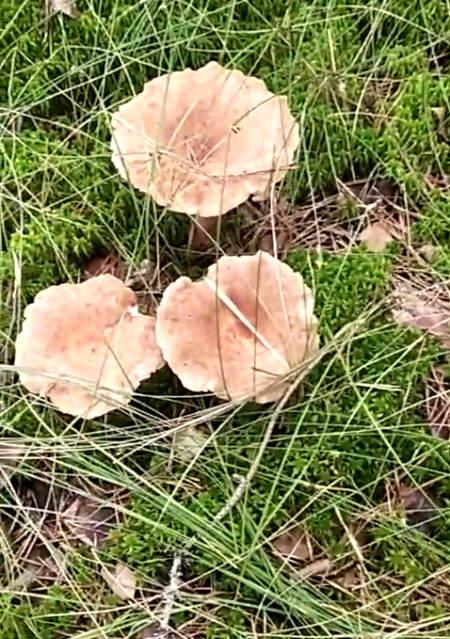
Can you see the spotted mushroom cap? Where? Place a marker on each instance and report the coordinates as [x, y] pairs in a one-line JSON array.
[[201, 142], [238, 332], [85, 347]]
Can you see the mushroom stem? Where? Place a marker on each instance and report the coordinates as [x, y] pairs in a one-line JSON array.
[[234, 309], [203, 232]]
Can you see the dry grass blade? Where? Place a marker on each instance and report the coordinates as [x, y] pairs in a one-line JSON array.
[[122, 581], [10, 456], [321, 567], [438, 404]]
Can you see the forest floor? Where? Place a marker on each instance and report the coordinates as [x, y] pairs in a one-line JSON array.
[[344, 530]]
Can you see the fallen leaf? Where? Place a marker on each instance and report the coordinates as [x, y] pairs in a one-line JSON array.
[[189, 442], [10, 456], [318, 567], [122, 581], [294, 544], [45, 564], [417, 507], [89, 521], [375, 237], [438, 404], [67, 7], [423, 307]]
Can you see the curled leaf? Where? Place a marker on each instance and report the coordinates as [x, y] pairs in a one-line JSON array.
[[122, 581]]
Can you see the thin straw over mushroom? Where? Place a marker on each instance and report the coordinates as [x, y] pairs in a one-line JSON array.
[[240, 330], [86, 347], [201, 142]]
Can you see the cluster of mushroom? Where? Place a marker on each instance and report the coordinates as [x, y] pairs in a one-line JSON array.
[[200, 142], [237, 333]]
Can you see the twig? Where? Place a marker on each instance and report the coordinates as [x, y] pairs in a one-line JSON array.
[[172, 589]]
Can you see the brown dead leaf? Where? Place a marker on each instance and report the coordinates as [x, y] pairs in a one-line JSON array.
[[122, 581], [417, 507], [43, 565], [88, 521], [10, 456], [294, 544], [424, 307], [375, 237], [438, 404], [66, 7]]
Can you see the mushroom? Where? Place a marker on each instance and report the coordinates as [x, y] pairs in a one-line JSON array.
[[86, 347], [241, 330], [201, 142]]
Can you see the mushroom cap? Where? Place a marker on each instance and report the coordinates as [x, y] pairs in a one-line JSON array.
[[240, 330], [201, 142], [85, 346]]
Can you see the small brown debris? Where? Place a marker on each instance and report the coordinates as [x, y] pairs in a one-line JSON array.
[[375, 237], [122, 581], [423, 307], [272, 247], [438, 404], [66, 7], [417, 507], [294, 544], [203, 233], [109, 264]]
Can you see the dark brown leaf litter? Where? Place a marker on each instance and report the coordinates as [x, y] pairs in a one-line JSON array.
[[110, 263], [51, 519], [332, 223], [438, 403], [422, 304], [417, 507]]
